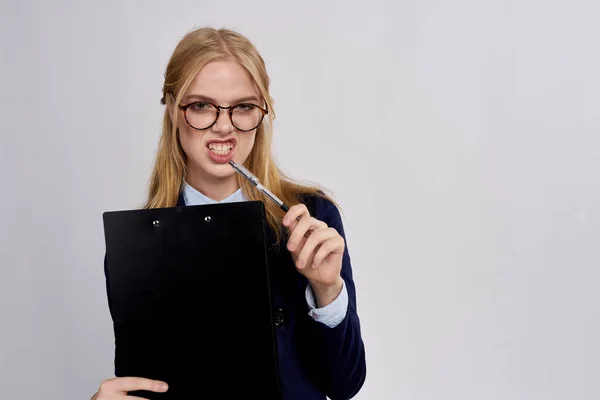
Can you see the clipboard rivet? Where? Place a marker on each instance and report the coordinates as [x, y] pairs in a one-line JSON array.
[[155, 222], [207, 218]]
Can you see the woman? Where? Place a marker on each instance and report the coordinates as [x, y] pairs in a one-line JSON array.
[[218, 108]]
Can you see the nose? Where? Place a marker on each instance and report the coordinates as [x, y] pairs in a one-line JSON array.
[[223, 125]]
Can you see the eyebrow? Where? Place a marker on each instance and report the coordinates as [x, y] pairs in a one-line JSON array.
[[199, 97]]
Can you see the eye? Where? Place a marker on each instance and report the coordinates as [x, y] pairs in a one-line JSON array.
[[201, 106], [245, 107]]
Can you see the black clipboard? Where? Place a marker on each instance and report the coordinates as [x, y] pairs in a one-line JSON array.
[[189, 295]]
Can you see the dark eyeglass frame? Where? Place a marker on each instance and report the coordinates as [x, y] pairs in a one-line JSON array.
[[185, 107]]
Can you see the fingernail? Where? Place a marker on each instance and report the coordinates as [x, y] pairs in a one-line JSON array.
[[291, 246], [286, 221], [300, 263], [163, 386]]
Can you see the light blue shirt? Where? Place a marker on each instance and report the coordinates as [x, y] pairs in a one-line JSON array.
[[330, 315]]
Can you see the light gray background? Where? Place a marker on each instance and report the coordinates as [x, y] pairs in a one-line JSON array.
[[461, 138]]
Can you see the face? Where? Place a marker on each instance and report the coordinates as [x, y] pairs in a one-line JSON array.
[[223, 83]]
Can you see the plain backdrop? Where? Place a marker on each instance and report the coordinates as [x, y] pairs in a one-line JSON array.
[[462, 140]]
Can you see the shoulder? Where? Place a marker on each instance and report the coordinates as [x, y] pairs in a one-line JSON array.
[[317, 202], [323, 208]]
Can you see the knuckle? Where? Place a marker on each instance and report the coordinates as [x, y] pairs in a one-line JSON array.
[[300, 207], [313, 239], [135, 381], [105, 385], [143, 383], [320, 225], [303, 210], [322, 234]]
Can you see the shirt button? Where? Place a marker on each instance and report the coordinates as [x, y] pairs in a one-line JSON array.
[[279, 320]]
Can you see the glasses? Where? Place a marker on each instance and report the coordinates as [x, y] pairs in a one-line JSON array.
[[202, 115]]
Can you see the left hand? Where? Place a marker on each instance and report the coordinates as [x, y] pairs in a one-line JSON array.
[[317, 250]]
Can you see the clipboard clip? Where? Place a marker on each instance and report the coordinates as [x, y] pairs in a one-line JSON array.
[[156, 222]]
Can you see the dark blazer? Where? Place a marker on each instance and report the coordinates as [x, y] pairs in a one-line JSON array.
[[314, 360]]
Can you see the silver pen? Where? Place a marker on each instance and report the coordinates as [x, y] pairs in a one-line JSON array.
[[254, 180]]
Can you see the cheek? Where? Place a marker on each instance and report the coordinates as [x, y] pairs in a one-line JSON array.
[[191, 140], [245, 144]]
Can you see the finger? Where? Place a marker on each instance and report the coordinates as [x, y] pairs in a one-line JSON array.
[[334, 245], [297, 234], [315, 239], [295, 223], [309, 260], [301, 229], [129, 384], [299, 246], [125, 397], [295, 213]]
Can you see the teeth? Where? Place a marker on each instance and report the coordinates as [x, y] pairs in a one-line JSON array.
[[220, 152], [221, 148]]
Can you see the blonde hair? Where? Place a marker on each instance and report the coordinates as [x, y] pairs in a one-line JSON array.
[[193, 52]]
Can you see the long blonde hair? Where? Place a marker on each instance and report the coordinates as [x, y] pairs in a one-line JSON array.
[[193, 52]]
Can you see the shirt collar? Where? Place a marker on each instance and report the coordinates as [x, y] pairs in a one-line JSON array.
[[193, 197]]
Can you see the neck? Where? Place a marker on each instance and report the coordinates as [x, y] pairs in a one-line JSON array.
[[214, 188]]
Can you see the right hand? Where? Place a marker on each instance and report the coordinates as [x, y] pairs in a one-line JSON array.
[[117, 388]]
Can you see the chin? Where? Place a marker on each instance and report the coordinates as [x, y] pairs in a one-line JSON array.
[[220, 171]]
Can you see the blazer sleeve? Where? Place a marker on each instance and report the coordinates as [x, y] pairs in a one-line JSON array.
[[340, 351], [107, 284]]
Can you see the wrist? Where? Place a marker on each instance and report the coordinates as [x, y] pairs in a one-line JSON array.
[[326, 294]]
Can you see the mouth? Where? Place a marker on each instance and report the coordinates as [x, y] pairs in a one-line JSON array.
[[221, 147], [221, 150]]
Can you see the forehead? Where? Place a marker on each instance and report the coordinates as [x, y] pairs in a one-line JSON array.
[[224, 81]]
